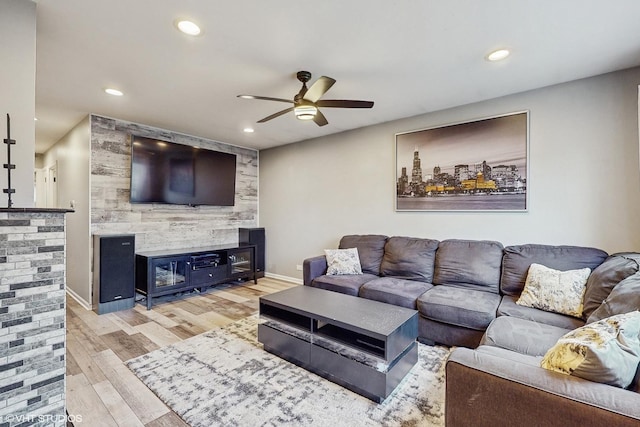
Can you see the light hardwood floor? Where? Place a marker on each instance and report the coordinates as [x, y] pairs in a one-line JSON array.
[[101, 389]]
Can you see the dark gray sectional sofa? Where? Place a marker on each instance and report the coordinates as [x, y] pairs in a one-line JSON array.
[[465, 292]]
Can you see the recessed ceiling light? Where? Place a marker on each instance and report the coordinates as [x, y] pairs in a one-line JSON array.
[[188, 27], [114, 92], [246, 96], [35, 119], [498, 55], [248, 130]]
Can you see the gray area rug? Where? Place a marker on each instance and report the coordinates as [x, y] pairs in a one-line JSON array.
[[225, 378]]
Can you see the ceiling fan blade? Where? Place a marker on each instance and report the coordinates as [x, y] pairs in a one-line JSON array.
[[273, 116], [320, 119], [319, 88], [344, 103], [265, 98]]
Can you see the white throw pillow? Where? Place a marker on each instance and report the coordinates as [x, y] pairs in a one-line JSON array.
[[606, 351], [343, 261], [553, 290]]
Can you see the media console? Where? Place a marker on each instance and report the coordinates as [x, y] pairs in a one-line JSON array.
[[166, 272]]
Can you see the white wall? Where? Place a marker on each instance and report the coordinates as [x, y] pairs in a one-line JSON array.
[[18, 97], [584, 180], [72, 155]]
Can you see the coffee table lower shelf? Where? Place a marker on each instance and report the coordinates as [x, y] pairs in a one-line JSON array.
[[355, 370]]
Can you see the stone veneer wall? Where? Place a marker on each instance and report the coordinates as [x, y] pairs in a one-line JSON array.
[[159, 226], [32, 315]]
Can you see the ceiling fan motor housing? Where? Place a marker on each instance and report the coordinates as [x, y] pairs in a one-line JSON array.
[[303, 76]]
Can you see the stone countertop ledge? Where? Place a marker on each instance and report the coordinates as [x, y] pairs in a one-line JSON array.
[[37, 210]]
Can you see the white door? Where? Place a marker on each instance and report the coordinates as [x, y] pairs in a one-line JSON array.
[[52, 186], [40, 188]]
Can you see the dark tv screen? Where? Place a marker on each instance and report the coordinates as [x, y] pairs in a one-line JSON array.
[[165, 172]]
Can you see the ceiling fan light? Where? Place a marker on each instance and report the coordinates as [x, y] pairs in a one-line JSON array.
[[305, 112]]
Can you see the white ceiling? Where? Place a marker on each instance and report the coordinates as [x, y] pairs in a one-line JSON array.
[[409, 56]]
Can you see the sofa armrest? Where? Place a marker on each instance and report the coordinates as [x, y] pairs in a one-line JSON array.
[[486, 390], [312, 268]]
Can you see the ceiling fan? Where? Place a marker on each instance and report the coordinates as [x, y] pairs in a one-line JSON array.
[[306, 102]]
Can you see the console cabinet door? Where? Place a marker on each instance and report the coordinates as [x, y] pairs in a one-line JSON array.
[[242, 262], [169, 273]]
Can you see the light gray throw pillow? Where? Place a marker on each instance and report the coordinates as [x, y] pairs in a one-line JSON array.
[[342, 261], [554, 290], [607, 351]]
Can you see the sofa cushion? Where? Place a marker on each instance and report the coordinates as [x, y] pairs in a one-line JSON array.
[[606, 351], [522, 336], [605, 277], [346, 284], [461, 307], [554, 290], [394, 291], [409, 258], [370, 249], [624, 297], [508, 307], [517, 259], [471, 264], [510, 355], [431, 332], [342, 261]]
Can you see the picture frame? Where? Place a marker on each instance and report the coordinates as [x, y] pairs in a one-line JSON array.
[[477, 165]]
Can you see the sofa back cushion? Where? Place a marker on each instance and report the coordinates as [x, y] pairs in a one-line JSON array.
[[409, 258], [624, 298], [370, 249], [605, 277], [517, 260], [473, 264]]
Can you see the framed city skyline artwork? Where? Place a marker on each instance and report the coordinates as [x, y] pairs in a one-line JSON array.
[[479, 165]]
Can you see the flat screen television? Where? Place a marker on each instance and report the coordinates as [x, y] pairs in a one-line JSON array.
[[165, 172]]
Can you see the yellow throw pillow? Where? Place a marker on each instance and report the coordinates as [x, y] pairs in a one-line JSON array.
[[553, 290]]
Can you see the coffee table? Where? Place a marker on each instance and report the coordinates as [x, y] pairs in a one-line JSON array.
[[366, 346]]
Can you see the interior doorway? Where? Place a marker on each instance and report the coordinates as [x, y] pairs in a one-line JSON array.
[[40, 188], [51, 182]]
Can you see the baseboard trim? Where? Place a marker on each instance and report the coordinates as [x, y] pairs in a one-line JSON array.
[[284, 278], [79, 299]]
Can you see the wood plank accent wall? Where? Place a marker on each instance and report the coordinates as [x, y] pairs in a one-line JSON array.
[[159, 226]]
